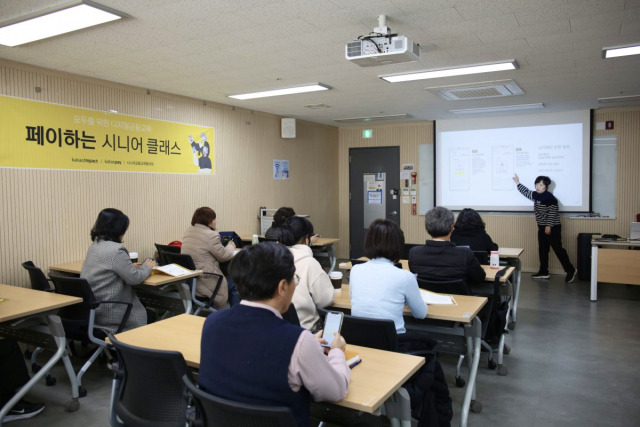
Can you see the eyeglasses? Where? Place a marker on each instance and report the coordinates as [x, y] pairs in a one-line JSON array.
[[296, 279]]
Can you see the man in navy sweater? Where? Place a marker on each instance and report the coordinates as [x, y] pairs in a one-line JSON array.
[[249, 354]]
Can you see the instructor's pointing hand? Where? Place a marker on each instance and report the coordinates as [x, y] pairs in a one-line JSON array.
[[516, 179]]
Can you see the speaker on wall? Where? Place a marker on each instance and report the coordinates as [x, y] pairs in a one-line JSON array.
[[288, 128]]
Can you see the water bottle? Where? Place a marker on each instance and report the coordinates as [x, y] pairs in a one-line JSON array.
[[255, 240], [494, 260]]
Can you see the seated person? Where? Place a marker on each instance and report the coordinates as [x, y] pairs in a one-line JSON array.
[[439, 258], [379, 290], [469, 230], [202, 242], [14, 375], [111, 274], [315, 288], [249, 354], [279, 218]]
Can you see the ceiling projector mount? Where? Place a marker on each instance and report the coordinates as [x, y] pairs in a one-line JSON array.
[[381, 47]]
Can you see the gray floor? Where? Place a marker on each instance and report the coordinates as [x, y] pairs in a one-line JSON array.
[[573, 363]]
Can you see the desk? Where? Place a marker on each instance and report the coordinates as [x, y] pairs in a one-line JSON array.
[[374, 382], [150, 291], [512, 255], [17, 315], [323, 247], [465, 314], [613, 265], [490, 273]]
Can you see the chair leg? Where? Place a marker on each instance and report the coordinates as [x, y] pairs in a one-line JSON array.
[[491, 363], [85, 367], [460, 382]]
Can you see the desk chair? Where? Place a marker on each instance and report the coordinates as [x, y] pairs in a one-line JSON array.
[[39, 282], [186, 261], [78, 320], [147, 387], [213, 411], [164, 249]]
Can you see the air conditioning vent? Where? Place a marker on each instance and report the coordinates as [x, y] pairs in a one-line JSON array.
[[493, 89]]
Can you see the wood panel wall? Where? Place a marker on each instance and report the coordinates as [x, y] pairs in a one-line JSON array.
[[517, 230], [46, 215]]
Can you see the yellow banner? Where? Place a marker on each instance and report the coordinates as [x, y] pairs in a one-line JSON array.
[[39, 135]]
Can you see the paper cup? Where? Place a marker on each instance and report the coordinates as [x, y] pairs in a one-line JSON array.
[[336, 279], [133, 256]]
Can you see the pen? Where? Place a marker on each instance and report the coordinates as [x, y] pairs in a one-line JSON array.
[[356, 363]]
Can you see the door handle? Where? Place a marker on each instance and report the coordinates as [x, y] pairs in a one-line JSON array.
[[393, 213]]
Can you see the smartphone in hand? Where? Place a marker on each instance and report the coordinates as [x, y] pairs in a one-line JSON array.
[[332, 323]]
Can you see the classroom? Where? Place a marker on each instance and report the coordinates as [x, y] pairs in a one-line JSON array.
[[161, 62]]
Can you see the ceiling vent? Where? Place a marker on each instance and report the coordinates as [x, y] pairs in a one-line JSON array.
[[494, 89]]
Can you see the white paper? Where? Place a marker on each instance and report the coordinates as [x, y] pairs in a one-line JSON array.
[[432, 298], [173, 270]]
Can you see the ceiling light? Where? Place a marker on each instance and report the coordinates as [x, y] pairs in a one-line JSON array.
[[612, 99], [451, 72], [501, 109], [616, 51], [285, 91], [52, 22], [375, 118]]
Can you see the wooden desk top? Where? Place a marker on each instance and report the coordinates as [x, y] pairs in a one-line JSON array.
[[21, 302], [322, 241], [467, 308], [620, 242], [510, 252], [379, 375], [157, 278], [490, 272]]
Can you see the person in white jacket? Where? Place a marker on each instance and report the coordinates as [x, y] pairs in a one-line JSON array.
[[314, 288]]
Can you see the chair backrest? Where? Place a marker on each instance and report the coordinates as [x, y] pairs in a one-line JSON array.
[[76, 317], [38, 279], [163, 249], [444, 286], [150, 389], [355, 261], [482, 257], [372, 333], [407, 248], [219, 412], [183, 260]]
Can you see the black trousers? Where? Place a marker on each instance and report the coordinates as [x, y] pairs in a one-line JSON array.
[[553, 240], [13, 371]]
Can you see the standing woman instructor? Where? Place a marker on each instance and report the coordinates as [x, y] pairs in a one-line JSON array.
[[547, 215]]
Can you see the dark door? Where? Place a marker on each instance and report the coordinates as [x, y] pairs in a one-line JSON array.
[[374, 184]]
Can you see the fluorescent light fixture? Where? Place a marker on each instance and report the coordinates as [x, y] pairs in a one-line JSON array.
[[616, 51], [452, 72], [314, 87], [53, 22], [375, 118], [501, 109], [614, 99]]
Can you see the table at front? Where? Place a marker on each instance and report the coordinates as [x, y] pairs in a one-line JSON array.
[[614, 265], [374, 383], [19, 306], [463, 314], [152, 287], [322, 247]]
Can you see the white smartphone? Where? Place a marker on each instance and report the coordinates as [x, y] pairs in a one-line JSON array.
[[332, 323]]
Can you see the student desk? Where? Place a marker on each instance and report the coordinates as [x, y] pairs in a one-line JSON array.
[[323, 247], [512, 256], [21, 317], [374, 383], [150, 291], [614, 264], [447, 319]]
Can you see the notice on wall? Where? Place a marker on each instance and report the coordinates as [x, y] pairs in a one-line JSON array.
[[374, 197], [281, 169], [40, 135], [407, 168]]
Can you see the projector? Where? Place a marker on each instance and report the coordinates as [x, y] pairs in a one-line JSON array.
[[382, 50]]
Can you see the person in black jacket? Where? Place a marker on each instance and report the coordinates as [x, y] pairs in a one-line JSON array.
[[469, 230], [440, 258]]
